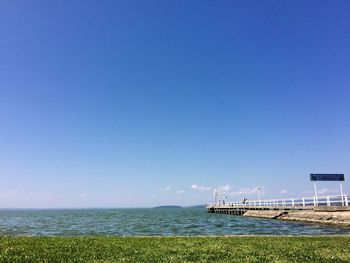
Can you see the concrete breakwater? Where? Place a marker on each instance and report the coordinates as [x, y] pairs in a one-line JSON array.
[[339, 216]]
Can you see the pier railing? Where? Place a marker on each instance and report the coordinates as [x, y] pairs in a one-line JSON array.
[[329, 200]]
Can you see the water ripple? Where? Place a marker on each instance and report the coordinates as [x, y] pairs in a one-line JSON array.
[[148, 222]]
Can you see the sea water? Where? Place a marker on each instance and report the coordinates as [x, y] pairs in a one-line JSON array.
[[148, 222]]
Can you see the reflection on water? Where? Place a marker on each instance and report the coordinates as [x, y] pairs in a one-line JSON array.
[[145, 222]]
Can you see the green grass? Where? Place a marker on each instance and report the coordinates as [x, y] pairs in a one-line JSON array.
[[175, 249]]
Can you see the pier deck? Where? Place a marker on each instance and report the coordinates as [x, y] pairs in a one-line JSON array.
[[240, 210], [318, 204]]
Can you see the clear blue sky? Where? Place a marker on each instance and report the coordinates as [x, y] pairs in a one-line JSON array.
[[143, 103]]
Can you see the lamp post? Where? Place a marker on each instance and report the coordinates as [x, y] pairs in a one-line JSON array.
[[259, 189], [215, 193]]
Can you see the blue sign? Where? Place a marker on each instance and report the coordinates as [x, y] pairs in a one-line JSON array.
[[327, 177]]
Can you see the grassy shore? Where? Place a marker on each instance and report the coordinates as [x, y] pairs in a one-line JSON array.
[[175, 249]]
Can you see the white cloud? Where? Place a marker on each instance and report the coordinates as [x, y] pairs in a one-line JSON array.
[[223, 189], [284, 191], [20, 199], [10, 194], [325, 191], [246, 191], [109, 196], [309, 192], [200, 188], [14, 194], [82, 195], [165, 189], [180, 192]]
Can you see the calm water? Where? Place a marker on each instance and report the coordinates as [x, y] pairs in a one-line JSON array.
[[145, 222]]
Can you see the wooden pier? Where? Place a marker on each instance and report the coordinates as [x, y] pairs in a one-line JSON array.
[[241, 210], [321, 204], [332, 210]]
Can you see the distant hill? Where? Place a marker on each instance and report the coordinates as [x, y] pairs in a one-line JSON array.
[[168, 206]]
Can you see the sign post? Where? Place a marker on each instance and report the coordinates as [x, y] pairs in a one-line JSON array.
[[316, 198], [327, 177], [341, 193]]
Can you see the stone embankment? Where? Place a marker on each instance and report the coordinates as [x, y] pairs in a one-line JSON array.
[[317, 215]]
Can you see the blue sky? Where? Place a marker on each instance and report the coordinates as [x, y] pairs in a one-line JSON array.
[[143, 103]]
